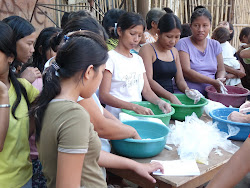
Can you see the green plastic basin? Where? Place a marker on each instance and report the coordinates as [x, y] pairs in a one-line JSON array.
[[165, 118], [187, 107]]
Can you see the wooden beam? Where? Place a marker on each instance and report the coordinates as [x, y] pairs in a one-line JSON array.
[[143, 6]]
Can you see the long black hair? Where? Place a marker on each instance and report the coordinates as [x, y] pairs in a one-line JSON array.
[[7, 46], [42, 46], [169, 22], [79, 50]]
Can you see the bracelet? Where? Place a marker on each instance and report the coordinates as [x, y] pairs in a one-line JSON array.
[[4, 105]]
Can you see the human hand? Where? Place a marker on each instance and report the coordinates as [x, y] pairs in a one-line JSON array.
[[244, 108], [173, 99], [238, 117], [145, 169], [136, 136], [219, 86], [164, 106], [193, 94], [31, 74], [142, 110]]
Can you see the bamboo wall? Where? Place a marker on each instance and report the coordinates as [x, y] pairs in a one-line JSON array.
[[234, 11]]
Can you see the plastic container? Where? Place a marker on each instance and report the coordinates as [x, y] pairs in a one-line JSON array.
[[153, 136], [220, 116], [236, 96], [165, 118], [187, 107]]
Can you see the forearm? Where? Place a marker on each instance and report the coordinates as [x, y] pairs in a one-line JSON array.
[[108, 115], [112, 130], [109, 160], [228, 176], [4, 119], [115, 102], [159, 90], [231, 70], [182, 85], [194, 76]]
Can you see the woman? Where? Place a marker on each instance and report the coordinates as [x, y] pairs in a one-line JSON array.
[[15, 97], [124, 79], [161, 60], [68, 146], [25, 37], [152, 19], [201, 58]]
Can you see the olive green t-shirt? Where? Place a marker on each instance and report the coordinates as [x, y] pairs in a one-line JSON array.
[[66, 128]]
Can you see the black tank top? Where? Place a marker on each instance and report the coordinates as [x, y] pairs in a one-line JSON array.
[[164, 72]]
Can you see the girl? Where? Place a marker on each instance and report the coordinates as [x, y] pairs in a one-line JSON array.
[[201, 58], [109, 23], [161, 59], [234, 69], [124, 79], [15, 97], [67, 143], [24, 36]]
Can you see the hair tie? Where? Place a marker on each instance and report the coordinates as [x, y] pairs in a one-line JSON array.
[[56, 67], [115, 30], [66, 38]]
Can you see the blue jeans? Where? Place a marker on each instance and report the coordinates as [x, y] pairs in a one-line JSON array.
[[28, 184]]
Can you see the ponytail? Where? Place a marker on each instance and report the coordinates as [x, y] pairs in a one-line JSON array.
[[51, 88]]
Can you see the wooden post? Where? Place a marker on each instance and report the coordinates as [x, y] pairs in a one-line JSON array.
[[143, 6]]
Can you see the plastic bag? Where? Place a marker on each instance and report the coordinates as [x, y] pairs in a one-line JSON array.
[[193, 94], [245, 108], [123, 117], [195, 139], [211, 105]]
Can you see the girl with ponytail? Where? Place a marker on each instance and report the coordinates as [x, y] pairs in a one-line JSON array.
[[15, 98]]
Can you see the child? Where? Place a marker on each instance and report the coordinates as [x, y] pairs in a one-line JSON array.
[[232, 66], [125, 79]]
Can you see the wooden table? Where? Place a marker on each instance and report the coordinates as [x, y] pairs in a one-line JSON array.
[[207, 171]]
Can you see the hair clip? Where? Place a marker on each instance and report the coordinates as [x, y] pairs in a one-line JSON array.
[[66, 38], [56, 66]]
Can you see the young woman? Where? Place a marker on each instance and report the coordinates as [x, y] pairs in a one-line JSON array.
[[200, 57], [68, 146], [161, 59], [124, 79], [15, 97], [25, 37]]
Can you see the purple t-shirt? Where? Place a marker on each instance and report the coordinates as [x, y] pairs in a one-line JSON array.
[[203, 62]]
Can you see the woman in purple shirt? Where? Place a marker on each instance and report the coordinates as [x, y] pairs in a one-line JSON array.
[[200, 57]]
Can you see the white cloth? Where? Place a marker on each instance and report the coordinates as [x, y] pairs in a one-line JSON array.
[[127, 78], [229, 59], [48, 63]]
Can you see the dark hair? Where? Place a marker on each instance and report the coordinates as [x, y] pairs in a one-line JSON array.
[[169, 22], [130, 20], [221, 34], [153, 15], [21, 27], [199, 6], [201, 12], [80, 50], [168, 10], [231, 27], [80, 13], [42, 46], [110, 18], [186, 30], [64, 19], [244, 32], [7, 46], [76, 24]]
